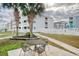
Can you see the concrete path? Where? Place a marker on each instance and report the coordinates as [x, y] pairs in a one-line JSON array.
[[50, 51], [66, 46]]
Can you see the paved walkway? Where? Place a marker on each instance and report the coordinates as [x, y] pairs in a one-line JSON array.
[[50, 51], [66, 46]]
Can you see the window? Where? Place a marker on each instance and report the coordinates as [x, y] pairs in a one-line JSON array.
[[34, 27], [46, 27], [24, 21], [46, 18], [24, 27], [70, 17], [46, 23], [71, 22]]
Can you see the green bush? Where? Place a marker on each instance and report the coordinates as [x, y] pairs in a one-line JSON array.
[[27, 34]]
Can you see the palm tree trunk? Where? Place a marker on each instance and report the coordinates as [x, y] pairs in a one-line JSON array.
[[16, 14], [30, 20], [17, 30], [31, 28]]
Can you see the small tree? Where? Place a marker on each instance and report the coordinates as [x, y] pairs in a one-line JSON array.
[[15, 6], [31, 10]]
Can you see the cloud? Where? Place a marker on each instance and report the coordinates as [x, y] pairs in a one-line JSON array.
[[63, 4], [64, 10], [2, 21]]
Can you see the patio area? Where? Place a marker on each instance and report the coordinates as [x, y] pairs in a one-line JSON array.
[[50, 51]]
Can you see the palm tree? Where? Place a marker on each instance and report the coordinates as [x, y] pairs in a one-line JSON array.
[[31, 10], [15, 6]]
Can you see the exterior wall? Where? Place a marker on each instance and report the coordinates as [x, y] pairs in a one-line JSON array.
[[60, 25], [77, 21], [40, 24]]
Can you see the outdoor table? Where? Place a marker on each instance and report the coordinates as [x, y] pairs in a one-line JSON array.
[[36, 42]]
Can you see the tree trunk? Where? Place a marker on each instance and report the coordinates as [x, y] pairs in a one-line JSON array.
[[17, 29], [16, 14], [31, 28], [30, 21]]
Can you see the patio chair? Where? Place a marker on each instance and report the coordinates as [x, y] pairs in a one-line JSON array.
[[25, 48], [40, 49]]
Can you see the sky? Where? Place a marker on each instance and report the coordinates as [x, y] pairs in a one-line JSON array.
[[58, 10], [63, 10]]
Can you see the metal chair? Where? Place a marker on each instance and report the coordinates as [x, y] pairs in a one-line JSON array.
[[40, 49], [25, 48]]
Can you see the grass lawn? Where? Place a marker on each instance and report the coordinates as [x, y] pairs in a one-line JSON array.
[[72, 40], [6, 34], [7, 45], [1, 36]]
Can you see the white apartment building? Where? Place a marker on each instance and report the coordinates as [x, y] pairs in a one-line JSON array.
[[44, 23], [40, 23]]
